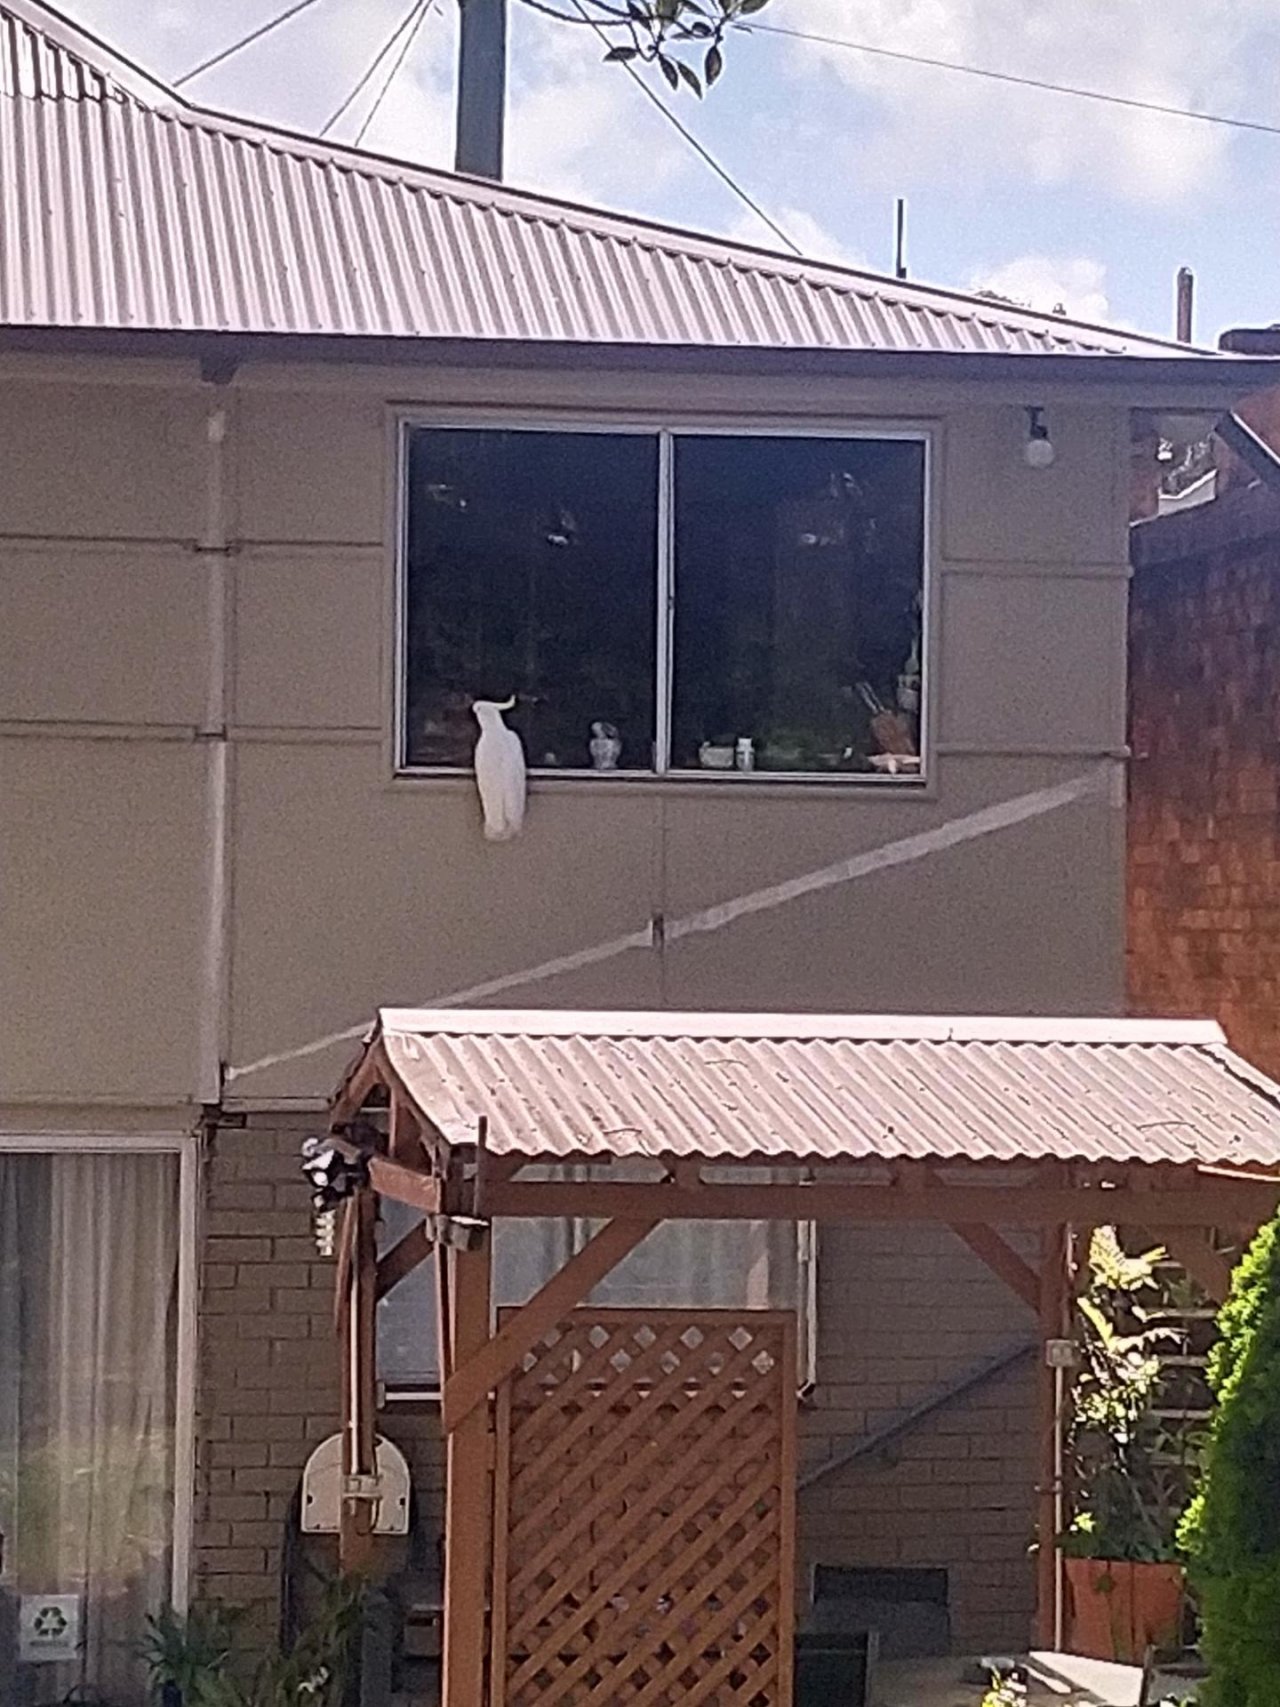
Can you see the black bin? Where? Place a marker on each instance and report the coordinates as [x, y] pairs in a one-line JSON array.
[[834, 1668]]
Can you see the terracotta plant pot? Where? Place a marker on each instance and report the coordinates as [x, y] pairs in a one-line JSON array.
[[1120, 1607]]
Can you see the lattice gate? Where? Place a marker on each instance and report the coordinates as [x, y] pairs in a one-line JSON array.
[[645, 1513]]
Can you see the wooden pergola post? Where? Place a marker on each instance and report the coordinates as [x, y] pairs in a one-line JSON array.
[[468, 1490], [357, 1309], [1055, 1294]]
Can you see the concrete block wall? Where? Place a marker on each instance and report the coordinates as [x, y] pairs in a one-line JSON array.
[[268, 1377], [901, 1310], [1204, 795]]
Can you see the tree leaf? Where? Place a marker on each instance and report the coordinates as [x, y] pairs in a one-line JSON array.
[[616, 53], [747, 7], [689, 75], [713, 65], [668, 69]]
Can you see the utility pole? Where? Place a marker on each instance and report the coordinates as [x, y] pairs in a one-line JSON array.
[[482, 88]]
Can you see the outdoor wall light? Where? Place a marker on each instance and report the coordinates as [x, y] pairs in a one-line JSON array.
[[332, 1176], [1038, 450]]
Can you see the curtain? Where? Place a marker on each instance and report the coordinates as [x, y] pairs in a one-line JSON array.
[[88, 1282]]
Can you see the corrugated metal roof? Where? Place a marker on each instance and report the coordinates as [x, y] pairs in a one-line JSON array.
[[733, 1087], [122, 206]]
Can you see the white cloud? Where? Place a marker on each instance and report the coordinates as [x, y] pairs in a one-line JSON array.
[[916, 124], [810, 236], [1077, 284]]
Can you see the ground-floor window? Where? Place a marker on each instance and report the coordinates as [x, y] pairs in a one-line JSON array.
[[738, 1265], [91, 1301]]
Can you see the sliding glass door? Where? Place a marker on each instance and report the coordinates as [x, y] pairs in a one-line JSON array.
[[90, 1264]]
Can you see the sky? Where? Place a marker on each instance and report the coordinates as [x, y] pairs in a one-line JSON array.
[[1046, 198]]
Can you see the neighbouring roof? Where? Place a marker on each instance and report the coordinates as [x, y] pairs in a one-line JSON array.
[[736, 1087], [125, 208]]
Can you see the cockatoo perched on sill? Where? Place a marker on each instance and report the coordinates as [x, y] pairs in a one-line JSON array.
[[500, 771]]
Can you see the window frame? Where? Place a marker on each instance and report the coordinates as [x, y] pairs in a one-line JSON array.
[[401, 1393], [186, 1147], [667, 429]]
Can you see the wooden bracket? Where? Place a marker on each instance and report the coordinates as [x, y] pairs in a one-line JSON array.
[[1190, 1247], [403, 1257], [1001, 1259], [471, 1382]]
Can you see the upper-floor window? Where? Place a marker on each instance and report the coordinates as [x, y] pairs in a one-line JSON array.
[[666, 601]]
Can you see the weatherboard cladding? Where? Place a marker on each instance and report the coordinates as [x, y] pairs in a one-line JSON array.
[[587, 1087], [122, 206]]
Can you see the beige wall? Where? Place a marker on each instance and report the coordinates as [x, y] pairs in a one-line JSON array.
[[127, 972], [348, 888]]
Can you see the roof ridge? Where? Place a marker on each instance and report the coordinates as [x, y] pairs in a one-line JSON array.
[[65, 39]]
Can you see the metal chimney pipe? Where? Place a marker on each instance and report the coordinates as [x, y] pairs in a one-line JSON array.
[[1186, 290], [900, 238], [482, 88]]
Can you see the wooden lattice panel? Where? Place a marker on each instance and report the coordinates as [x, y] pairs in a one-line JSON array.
[[644, 1513]]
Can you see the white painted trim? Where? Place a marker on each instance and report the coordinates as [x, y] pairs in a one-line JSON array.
[[94, 1143], [185, 1371], [855, 1028], [212, 1026], [664, 616]]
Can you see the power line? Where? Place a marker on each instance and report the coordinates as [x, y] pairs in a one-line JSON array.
[[244, 41], [1042, 84], [703, 153], [370, 71], [390, 78]]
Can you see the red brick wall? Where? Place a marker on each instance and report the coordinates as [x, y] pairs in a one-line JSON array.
[[1204, 812]]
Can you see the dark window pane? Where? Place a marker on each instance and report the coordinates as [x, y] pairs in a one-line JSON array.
[[799, 568], [531, 571]]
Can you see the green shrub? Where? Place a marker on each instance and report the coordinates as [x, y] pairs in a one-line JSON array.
[[198, 1654], [1231, 1530]]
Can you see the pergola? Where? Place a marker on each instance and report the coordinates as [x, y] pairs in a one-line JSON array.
[[990, 1127]]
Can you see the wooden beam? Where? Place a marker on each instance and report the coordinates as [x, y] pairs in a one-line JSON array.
[[475, 1377], [403, 1257], [359, 1434], [418, 1187], [1192, 1249], [1050, 1388], [1219, 1203], [369, 1071], [1001, 1259], [468, 1493]]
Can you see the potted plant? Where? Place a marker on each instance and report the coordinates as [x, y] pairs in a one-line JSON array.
[[193, 1661], [1124, 1584]]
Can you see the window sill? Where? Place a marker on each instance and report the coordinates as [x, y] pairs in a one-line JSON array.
[[573, 781]]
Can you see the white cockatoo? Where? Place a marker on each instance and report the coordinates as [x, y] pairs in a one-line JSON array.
[[500, 771]]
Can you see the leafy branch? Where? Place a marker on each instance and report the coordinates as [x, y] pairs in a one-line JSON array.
[[683, 38]]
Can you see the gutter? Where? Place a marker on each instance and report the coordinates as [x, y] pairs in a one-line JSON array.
[[1190, 376]]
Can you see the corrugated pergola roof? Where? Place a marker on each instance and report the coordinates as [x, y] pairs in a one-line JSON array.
[[125, 207], [737, 1087]]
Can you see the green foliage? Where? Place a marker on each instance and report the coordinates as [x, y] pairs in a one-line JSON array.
[[667, 33], [199, 1654], [1126, 1505], [1231, 1530], [1005, 1692]]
